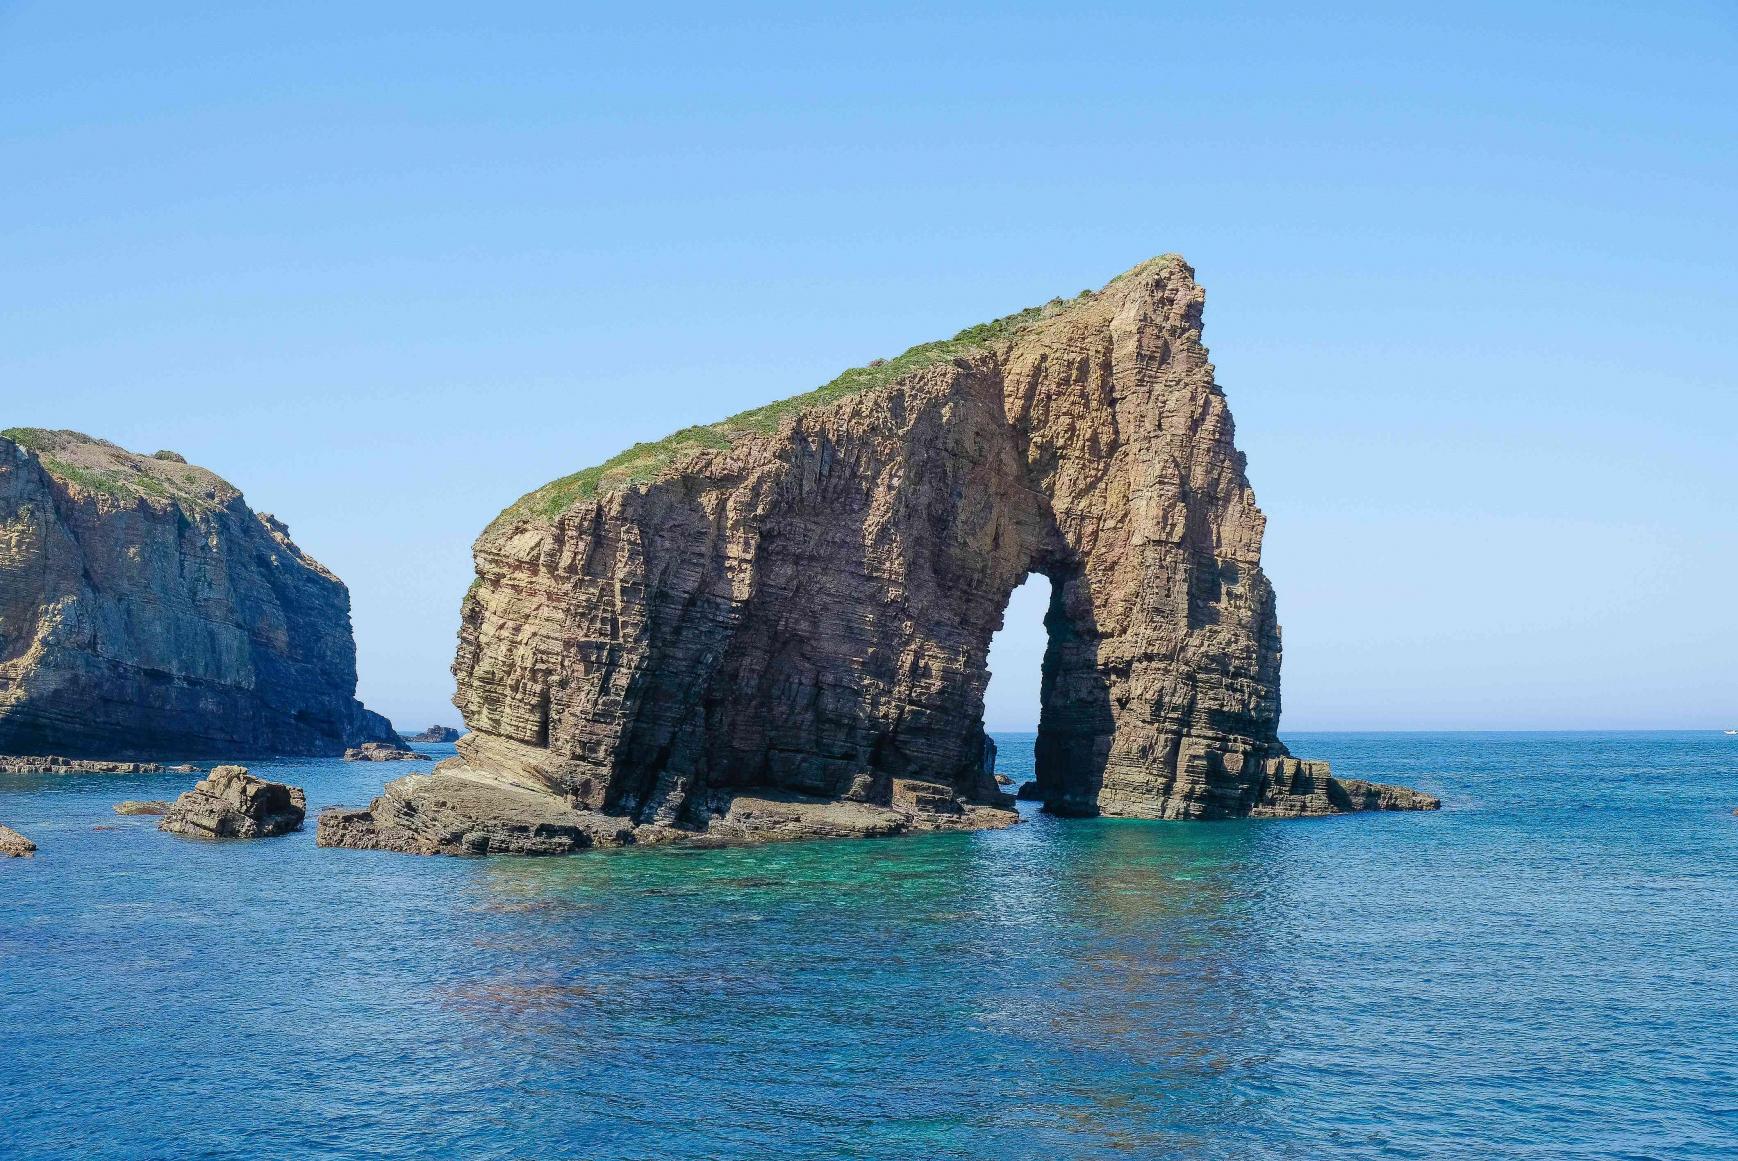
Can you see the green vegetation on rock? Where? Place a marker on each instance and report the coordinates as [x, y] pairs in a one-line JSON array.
[[646, 461], [131, 481], [29, 438]]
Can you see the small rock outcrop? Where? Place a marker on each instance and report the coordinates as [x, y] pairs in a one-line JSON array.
[[137, 807], [381, 752], [231, 803], [145, 609], [1293, 788], [797, 603], [436, 734], [1028, 792], [14, 845]]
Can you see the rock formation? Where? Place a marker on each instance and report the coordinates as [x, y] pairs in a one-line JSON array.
[[800, 600], [146, 610], [231, 803], [436, 734], [133, 806], [381, 752], [14, 845]]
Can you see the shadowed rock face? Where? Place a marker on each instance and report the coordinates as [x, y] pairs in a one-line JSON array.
[[805, 604], [146, 610]]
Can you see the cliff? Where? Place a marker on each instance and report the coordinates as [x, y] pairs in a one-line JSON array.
[[146, 610], [800, 600]]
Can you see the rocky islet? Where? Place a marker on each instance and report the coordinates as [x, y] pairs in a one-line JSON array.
[[794, 607], [229, 802], [381, 752]]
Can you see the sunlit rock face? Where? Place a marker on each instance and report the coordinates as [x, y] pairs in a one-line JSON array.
[[146, 610], [802, 598]]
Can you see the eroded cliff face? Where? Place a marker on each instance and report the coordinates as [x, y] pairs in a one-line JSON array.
[[802, 599], [146, 610]]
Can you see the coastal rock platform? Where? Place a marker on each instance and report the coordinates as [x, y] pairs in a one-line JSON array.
[[51, 764]]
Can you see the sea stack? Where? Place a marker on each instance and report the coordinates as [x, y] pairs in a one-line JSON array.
[[797, 603], [146, 610]]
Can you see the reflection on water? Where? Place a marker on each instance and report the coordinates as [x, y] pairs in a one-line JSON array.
[[1511, 976]]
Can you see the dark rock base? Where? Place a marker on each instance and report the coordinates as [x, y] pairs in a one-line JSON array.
[[450, 813]]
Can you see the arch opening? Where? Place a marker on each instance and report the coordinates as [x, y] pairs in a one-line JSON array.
[[1046, 704]]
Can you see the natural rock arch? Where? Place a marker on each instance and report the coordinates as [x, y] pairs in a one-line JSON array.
[[800, 600]]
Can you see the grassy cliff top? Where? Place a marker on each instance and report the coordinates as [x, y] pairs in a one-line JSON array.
[[96, 465], [644, 462]]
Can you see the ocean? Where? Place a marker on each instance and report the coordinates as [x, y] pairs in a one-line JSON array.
[[1546, 968]]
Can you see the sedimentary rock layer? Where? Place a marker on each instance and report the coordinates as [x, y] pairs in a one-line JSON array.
[[801, 599], [146, 610]]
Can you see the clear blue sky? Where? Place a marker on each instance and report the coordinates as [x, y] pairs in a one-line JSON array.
[[1472, 286]]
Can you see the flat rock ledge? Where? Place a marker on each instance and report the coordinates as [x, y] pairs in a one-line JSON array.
[[381, 752], [1295, 788], [134, 806], [14, 845], [447, 813], [50, 764], [231, 803]]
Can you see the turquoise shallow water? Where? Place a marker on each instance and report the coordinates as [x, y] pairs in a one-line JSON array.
[[1547, 968]]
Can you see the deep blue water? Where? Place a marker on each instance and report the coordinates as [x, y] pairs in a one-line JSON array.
[[1547, 968]]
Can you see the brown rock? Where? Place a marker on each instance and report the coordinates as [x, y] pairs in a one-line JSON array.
[[381, 752], [799, 601], [14, 845], [146, 609], [231, 803], [136, 807]]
